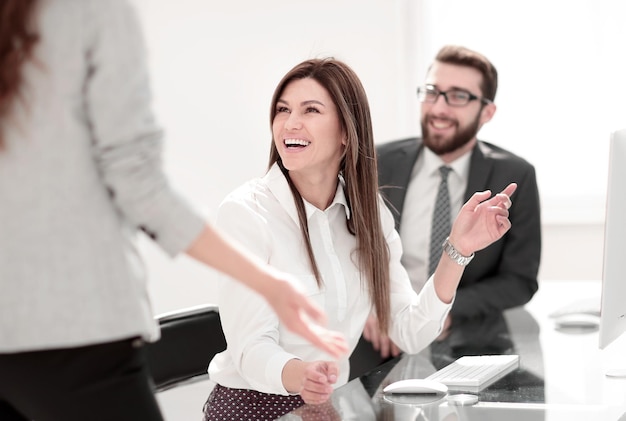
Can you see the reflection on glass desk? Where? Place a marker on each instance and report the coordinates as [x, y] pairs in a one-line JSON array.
[[560, 377]]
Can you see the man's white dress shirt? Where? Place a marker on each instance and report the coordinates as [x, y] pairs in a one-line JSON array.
[[262, 216], [418, 209]]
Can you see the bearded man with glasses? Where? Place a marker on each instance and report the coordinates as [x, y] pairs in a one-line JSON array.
[[457, 99]]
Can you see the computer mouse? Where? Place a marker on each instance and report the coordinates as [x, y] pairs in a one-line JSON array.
[[577, 320], [416, 386]]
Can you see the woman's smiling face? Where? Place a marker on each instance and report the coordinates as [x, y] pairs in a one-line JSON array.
[[306, 128]]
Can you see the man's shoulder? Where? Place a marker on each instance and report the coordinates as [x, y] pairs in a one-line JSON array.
[[502, 155], [397, 145]]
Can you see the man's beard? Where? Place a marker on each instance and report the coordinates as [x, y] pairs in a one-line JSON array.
[[441, 146]]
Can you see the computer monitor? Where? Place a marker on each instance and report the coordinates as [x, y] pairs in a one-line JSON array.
[[613, 306]]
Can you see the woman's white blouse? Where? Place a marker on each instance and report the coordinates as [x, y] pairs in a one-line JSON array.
[[262, 216]]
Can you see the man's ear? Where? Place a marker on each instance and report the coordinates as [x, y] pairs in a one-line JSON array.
[[487, 113]]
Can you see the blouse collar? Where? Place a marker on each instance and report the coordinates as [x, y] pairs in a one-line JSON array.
[[278, 185]]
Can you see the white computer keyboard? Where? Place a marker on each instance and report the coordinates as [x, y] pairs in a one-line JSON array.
[[474, 373]]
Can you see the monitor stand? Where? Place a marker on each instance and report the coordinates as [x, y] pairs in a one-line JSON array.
[[613, 357]]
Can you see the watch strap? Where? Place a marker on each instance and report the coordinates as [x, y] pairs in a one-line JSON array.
[[454, 254]]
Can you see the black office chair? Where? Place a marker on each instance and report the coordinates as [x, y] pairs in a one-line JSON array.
[[189, 339], [364, 359]]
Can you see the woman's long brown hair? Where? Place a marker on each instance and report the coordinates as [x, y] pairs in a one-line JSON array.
[[358, 169], [17, 39]]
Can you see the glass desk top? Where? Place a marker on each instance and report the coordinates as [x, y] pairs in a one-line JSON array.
[[561, 373]]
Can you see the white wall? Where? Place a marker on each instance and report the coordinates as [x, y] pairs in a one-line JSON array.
[[215, 65]]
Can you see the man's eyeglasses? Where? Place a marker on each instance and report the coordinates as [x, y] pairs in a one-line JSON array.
[[453, 97]]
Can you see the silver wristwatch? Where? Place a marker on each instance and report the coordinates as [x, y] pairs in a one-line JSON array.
[[454, 253]]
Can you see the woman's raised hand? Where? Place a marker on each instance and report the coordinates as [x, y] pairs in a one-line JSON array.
[[482, 220]]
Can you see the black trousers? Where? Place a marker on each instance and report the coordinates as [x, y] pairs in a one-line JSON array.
[[99, 382]]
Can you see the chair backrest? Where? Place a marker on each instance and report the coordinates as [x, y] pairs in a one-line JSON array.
[[364, 359], [189, 339]]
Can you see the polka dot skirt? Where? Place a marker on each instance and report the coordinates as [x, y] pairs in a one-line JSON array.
[[242, 404]]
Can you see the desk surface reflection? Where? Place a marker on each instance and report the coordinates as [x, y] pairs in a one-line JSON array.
[[545, 387]]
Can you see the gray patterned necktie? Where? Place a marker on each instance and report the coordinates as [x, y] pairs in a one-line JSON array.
[[441, 220]]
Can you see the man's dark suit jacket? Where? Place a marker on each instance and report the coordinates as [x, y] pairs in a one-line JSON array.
[[503, 275]]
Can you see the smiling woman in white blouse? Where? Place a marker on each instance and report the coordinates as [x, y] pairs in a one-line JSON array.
[[317, 214]]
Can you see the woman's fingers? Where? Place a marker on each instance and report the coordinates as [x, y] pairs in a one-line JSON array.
[[503, 223], [298, 314], [510, 189], [313, 311], [484, 198], [319, 378], [483, 219], [371, 331], [476, 199], [329, 341]]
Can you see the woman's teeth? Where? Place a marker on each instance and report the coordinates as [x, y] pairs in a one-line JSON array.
[[296, 142]]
